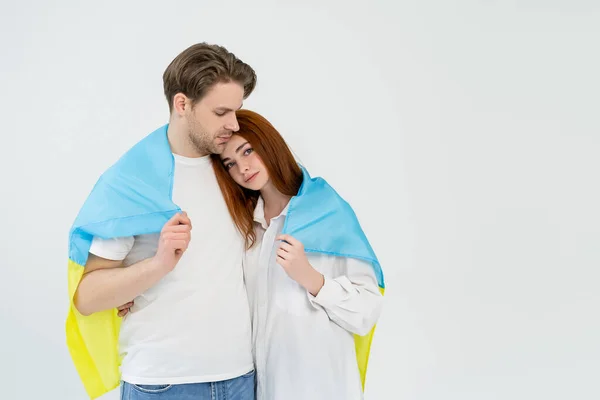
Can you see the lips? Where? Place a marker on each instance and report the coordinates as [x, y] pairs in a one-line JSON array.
[[251, 177]]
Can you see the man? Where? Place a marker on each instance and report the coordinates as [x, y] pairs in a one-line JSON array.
[[188, 333]]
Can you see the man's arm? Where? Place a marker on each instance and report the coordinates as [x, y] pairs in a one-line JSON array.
[[107, 284]]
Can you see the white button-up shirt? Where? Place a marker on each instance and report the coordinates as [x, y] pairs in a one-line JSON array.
[[303, 345]]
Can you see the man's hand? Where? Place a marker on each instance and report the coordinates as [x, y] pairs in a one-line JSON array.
[[125, 309], [291, 256], [106, 284], [174, 240]]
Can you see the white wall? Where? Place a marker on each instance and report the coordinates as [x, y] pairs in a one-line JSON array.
[[465, 134]]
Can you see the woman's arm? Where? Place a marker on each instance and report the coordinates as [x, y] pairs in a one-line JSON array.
[[350, 295]]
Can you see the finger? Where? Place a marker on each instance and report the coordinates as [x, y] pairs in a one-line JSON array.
[[126, 305], [169, 236], [124, 312], [176, 243], [281, 262], [179, 219], [185, 220], [176, 235], [282, 254], [286, 247], [177, 229], [290, 239], [181, 245], [174, 220]]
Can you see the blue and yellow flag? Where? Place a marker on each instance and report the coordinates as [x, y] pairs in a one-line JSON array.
[[325, 223], [134, 197]]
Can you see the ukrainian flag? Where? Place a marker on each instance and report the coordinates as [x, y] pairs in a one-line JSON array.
[[133, 197], [325, 223]]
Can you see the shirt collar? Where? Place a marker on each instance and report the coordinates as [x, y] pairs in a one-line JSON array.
[[259, 212]]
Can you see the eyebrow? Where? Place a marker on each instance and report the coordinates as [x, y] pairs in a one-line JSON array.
[[236, 150]]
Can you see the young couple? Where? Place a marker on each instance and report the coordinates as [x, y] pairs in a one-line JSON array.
[[249, 278]]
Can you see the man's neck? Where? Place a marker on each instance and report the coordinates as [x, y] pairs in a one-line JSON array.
[[179, 140]]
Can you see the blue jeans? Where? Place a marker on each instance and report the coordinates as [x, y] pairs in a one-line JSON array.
[[240, 388]]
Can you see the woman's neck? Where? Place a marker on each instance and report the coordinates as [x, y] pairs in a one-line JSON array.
[[274, 200]]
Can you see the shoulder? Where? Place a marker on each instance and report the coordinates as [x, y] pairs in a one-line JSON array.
[[112, 249]]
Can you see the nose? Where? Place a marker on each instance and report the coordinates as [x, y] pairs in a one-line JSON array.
[[232, 123], [242, 166]]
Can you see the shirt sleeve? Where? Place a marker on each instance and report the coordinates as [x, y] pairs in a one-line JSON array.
[[350, 295], [115, 249]]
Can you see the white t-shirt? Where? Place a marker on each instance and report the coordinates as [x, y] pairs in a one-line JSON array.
[[194, 325]]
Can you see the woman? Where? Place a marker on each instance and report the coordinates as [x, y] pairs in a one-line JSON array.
[[310, 290]]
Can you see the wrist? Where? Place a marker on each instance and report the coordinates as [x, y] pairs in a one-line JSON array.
[[157, 265], [315, 283]]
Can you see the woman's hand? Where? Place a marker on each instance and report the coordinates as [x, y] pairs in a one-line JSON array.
[[125, 309], [291, 256]]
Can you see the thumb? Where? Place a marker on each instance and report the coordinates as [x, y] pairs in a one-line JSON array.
[[174, 220], [185, 219]]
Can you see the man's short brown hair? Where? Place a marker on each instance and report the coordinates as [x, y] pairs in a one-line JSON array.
[[196, 69]]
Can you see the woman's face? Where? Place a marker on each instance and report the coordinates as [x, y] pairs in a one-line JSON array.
[[243, 164]]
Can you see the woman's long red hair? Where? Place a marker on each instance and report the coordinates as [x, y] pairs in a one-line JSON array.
[[283, 170]]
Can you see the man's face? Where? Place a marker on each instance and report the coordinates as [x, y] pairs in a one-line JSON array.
[[212, 120]]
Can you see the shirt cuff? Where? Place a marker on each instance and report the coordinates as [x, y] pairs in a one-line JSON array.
[[328, 295]]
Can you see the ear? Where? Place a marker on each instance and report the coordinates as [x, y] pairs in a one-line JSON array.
[[180, 104]]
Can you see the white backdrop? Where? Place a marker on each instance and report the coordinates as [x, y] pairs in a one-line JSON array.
[[465, 134]]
